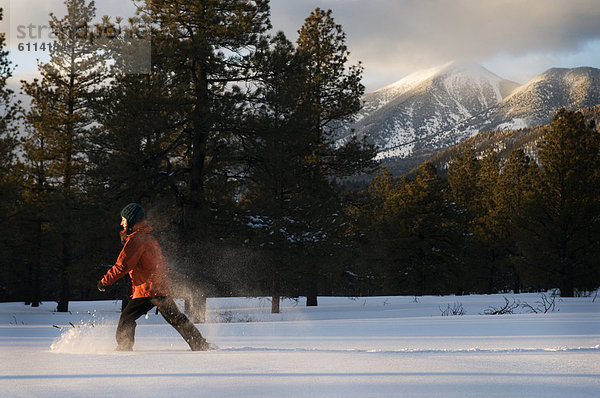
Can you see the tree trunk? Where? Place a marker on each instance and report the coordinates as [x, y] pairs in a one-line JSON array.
[[200, 130], [36, 268], [516, 281], [196, 195], [311, 300], [312, 287], [34, 285], [275, 300], [63, 298], [67, 243], [565, 283]]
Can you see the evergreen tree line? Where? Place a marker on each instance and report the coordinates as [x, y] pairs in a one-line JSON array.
[[228, 141], [523, 224]]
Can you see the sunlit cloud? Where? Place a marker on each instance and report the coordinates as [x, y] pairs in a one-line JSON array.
[[396, 37], [516, 39]]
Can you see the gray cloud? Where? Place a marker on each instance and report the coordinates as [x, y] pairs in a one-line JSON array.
[[517, 39], [395, 37]]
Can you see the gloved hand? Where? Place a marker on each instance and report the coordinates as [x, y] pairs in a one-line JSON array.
[[101, 286]]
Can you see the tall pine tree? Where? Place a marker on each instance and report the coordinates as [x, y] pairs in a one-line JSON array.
[[8, 137], [204, 47], [411, 234], [274, 148], [465, 191], [10, 173], [513, 190], [563, 216], [330, 95], [59, 123]]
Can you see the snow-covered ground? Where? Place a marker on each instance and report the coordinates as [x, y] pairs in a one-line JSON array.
[[360, 347]]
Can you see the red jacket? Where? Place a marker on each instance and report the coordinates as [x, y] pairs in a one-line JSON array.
[[142, 258]]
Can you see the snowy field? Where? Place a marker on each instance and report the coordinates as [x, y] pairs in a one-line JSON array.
[[361, 347]]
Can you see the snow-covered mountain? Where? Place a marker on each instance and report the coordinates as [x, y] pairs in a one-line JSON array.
[[399, 117], [433, 109], [530, 105]]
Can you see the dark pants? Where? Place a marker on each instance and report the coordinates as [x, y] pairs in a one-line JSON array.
[[168, 309]]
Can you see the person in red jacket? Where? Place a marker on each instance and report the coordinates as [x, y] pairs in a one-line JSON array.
[[142, 259]]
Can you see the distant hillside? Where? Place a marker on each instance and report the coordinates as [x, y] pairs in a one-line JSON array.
[[415, 118], [504, 142], [533, 104]]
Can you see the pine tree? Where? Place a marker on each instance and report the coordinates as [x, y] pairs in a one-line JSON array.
[[7, 105], [37, 242], [463, 176], [8, 140], [487, 228], [10, 174], [274, 151], [136, 142], [563, 217], [410, 234], [204, 47], [293, 161], [373, 213], [433, 234], [60, 122], [201, 51], [330, 94], [513, 191], [465, 191], [484, 192], [370, 213]]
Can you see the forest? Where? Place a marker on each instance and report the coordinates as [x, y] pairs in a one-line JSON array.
[[227, 138]]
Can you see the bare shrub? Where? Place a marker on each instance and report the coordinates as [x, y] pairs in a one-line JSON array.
[[508, 308], [454, 309], [544, 305]]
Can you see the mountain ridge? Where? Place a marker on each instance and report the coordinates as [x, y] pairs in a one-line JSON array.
[[505, 141], [425, 103], [535, 102], [432, 109]]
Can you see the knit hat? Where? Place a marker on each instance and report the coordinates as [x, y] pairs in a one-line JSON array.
[[133, 213]]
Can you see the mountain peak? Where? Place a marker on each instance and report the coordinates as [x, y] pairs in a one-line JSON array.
[[425, 102], [561, 79], [532, 104], [438, 107], [454, 75], [463, 66], [420, 76], [410, 80]]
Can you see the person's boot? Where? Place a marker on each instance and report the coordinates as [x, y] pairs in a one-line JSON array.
[[199, 344]]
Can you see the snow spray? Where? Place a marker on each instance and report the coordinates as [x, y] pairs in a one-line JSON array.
[[93, 337]]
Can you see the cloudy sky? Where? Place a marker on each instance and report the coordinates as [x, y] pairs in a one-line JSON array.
[[516, 39]]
